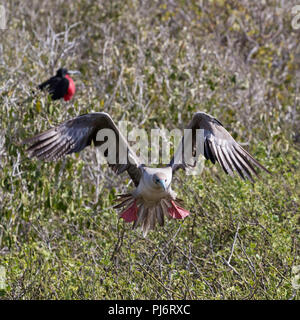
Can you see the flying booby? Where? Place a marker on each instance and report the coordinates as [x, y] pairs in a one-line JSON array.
[[153, 199]]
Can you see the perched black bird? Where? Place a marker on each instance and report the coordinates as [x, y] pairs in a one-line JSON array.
[[61, 85]]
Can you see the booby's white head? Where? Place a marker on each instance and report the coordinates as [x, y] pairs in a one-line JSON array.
[[158, 179], [161, 180]]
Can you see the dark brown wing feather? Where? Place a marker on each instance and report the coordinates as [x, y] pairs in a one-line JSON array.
[[76, 134], [56, 86], [219, 146]]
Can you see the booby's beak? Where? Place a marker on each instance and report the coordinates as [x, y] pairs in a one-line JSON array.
[[74, 72], [163, 184]]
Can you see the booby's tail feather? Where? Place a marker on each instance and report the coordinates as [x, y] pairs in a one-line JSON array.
[[145, 216], [125, 200]]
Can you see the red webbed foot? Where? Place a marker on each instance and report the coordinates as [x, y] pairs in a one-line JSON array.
[[177, 212], [130, 214]]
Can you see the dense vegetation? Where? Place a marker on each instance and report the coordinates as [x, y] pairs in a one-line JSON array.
[[153, 63]]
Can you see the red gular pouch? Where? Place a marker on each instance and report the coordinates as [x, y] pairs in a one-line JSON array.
[[130, 214], [177, 212], [71, 89]]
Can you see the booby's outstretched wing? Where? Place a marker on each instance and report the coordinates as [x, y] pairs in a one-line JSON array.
[[218, 146], [76, 134]]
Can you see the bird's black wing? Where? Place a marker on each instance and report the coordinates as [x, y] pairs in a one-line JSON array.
[[218, 146], [56, 86], [76, 134]]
